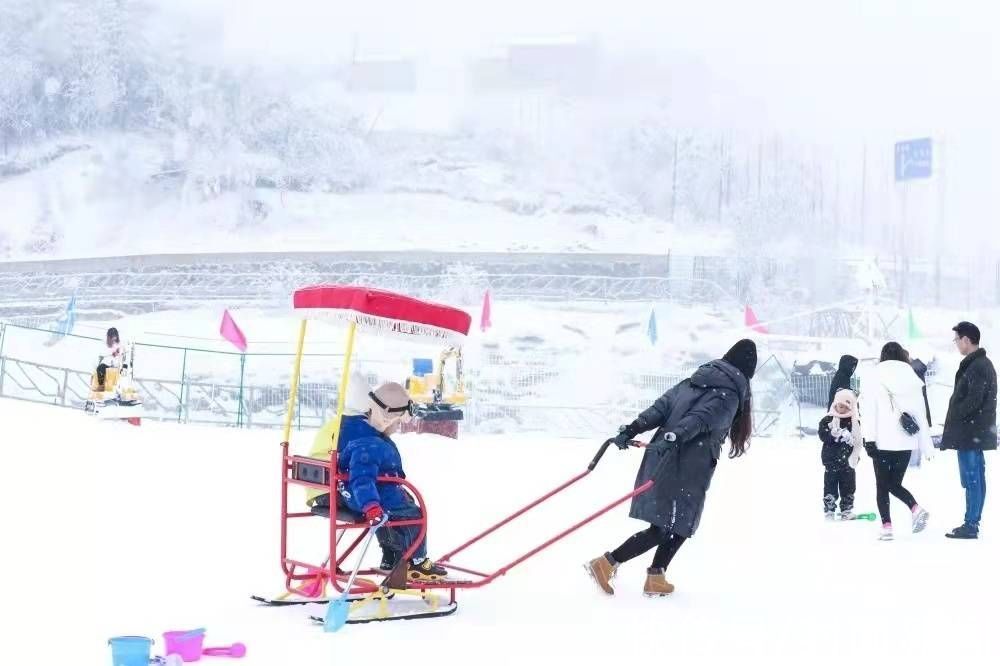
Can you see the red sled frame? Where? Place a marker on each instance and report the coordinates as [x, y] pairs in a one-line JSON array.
[[391, 314], [308, 579]]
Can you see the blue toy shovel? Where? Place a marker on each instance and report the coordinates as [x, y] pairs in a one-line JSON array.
[[337, 611]]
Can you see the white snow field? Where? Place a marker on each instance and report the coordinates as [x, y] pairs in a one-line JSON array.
[[111, 529]]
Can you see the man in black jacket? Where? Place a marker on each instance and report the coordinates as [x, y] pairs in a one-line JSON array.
[[920, 368], [971, 425], [842, 378]]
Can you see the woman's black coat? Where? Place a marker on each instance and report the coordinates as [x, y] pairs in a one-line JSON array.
[[700, 411]]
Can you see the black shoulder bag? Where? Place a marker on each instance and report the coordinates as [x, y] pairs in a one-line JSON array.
[[906, 420]]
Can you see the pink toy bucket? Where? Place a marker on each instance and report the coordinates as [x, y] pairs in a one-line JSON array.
[[186, 644]]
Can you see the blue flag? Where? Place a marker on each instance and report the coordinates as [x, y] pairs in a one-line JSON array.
[[651, 328], [64, 325], [68, 320]]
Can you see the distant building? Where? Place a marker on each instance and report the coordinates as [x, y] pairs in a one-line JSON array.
[[491, 72], [395, 75], [568, 65]]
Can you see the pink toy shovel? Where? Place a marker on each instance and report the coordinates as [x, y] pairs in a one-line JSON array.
[[236, 650]]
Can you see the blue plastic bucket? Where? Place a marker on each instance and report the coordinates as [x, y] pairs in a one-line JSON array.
[[130, 650]]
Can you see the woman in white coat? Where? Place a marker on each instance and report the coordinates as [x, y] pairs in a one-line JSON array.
[[891, 401]]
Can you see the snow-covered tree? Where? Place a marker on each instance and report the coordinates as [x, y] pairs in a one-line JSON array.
[[17, 112]]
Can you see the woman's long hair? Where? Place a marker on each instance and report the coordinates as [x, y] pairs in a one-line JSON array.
[[739, 432], [893, 351]]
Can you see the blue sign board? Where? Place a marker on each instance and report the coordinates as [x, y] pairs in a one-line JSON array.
[[913, 159]]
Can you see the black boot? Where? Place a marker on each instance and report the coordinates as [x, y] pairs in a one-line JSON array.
[[426, 570], [390, 559], [966, 531]]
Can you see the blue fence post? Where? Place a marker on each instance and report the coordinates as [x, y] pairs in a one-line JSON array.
[[181, 401]]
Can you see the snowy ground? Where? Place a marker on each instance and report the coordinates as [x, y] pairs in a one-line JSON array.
[[140, 530]]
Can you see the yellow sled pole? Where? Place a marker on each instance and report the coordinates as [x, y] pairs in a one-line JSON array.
[[325, 442], [345, 377], [296, 373]]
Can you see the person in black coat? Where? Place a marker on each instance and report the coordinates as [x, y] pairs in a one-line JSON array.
[[841, 436], [691, 420], [920, 368], [842, 378], [971, 424]]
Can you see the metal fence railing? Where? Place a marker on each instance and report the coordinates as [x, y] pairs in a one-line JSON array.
[[149, 283], [189, 385]]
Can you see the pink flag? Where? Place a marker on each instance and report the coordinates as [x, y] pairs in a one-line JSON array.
[[230, 331], [484, 320], [750, 321]]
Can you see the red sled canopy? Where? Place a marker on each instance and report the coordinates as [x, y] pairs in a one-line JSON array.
[[384, 312]]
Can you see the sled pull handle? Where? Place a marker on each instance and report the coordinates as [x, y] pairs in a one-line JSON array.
[[600, 454]]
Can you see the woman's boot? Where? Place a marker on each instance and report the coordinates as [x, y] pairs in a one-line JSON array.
[[656, 583]]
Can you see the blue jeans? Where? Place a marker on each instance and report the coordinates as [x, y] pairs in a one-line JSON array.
[[972, 468], [398, 539]]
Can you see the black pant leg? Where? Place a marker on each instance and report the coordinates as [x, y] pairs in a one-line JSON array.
[[900, 463], [102, 373], [848, 482], [637, 544], [669, 545], [830, 493], [882, 483]]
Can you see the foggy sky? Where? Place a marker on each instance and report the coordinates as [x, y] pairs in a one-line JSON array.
[[815, 56], [839, 73]]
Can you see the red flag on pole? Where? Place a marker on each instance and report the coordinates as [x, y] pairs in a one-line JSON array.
[[750, 321], [230, 331], [484, 320]]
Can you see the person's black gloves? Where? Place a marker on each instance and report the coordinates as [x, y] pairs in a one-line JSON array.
[[624, 438], [871, 449]]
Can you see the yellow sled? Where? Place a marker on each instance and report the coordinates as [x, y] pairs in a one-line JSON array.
[[119, 398]]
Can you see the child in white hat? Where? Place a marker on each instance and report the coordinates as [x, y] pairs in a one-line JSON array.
[[840, 433]]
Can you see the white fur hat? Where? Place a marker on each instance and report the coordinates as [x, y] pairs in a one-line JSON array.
[[844, 397]]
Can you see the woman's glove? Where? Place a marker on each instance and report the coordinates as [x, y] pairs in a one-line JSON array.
[[623, 439]]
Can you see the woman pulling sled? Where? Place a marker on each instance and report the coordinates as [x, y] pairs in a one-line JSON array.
[[692, 421]]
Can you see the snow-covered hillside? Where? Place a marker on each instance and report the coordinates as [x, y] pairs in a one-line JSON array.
[[111, 196], [126, 128]]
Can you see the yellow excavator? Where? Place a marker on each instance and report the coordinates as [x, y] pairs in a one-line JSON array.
[[438, 402]]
